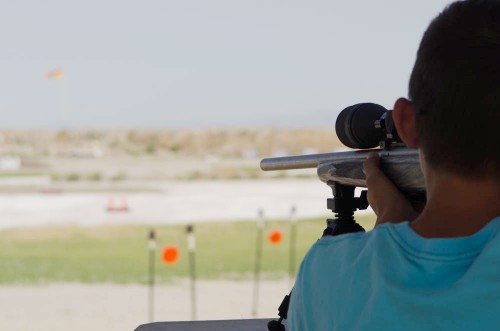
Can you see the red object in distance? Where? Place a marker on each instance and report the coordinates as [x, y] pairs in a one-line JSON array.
[[275, 237], [170, 254]]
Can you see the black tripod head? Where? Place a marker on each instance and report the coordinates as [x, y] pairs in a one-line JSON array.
[[344, 204]]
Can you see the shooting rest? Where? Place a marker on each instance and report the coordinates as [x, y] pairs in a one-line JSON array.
[[223, 325]]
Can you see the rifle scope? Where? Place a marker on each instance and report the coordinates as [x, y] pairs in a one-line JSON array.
[[367, 125]]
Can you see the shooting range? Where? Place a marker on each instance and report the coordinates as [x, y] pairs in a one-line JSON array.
[[172, 161]]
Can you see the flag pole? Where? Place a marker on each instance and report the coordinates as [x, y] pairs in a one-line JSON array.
[[293, 244], [152, 249], [258, 261], [192, 268], [58, 74]]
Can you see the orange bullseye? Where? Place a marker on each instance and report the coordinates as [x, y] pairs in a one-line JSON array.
[[170, 254], [275, 237]]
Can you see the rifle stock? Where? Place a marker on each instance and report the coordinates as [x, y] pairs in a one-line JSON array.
[[401, 165]]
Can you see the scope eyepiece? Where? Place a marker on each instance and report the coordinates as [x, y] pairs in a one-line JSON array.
[[366, 125]]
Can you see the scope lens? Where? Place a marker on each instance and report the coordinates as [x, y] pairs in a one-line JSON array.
[[355, 126]]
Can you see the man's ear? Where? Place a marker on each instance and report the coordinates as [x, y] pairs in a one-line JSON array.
[[404, 116]]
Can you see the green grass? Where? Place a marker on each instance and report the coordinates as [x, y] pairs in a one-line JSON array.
[[20, 174], [119, 254]]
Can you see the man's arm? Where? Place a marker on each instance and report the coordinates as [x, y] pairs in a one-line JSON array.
[[388, 203]]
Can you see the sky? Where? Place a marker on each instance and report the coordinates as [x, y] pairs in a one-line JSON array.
[[203, 63]]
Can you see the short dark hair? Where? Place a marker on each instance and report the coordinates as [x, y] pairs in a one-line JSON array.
[[455, 87]]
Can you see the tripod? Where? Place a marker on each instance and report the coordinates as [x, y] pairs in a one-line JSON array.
[[343, 204]]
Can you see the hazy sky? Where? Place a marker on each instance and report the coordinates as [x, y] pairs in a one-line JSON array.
[[203, 63]]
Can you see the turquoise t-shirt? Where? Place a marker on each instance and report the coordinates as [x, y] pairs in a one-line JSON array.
[[393, 279]]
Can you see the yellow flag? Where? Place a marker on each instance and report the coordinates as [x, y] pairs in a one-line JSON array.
[[55, 74]]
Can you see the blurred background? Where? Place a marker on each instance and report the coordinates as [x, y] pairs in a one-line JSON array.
[[125, 122]]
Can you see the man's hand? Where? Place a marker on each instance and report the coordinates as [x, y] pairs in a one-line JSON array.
[[389, 204]]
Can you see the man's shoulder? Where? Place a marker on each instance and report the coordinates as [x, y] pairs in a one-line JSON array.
[[343, 250], [391, 244], [351, 241]]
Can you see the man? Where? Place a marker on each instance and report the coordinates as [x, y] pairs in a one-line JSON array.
[[438, 269]]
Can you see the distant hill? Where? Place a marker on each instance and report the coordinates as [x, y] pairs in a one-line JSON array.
[[198, 142], [110, 159]]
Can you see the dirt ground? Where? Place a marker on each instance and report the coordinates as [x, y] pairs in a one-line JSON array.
[[77, 307], [172, 203]]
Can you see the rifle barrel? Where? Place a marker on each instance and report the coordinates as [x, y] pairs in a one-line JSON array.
[[314, 160]]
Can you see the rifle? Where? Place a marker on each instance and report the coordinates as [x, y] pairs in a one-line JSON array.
[[362, 126], [400, 164]]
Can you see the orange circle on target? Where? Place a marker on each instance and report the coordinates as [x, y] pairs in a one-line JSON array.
[[170, 254], [275, 237]]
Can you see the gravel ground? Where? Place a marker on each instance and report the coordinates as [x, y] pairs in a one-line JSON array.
[[172, 203], [62, 307]]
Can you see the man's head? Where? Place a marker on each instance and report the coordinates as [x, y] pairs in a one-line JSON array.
[[455, 90]]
